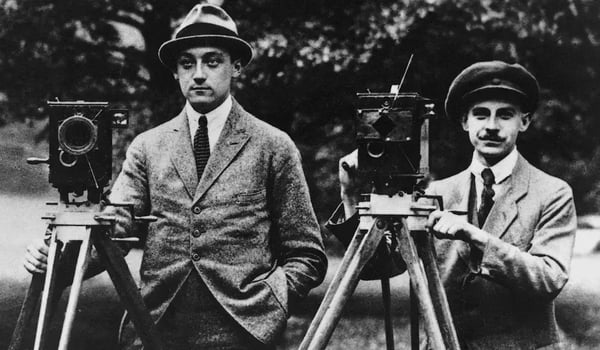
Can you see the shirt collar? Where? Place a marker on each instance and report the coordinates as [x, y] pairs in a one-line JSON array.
[[221, 112], [501, 170]]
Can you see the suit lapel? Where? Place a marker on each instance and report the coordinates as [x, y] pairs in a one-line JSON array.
[[505, 209], [232, 139], [181, 153]]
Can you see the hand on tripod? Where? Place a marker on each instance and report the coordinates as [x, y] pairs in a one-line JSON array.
[[447, 225], [36, 256]]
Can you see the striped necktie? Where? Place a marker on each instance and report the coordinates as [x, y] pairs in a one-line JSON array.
[[201, 146], [487, 195]]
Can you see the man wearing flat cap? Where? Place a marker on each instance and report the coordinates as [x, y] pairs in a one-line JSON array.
[[236, 240], [503, 263]]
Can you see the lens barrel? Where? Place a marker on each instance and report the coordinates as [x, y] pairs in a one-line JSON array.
[[77, 135]]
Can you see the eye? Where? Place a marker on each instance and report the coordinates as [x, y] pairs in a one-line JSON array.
[[505, 114], [480, 113], [185, 62], [213, 61]]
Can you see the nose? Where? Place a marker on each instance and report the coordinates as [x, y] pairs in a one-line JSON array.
[[492, 123], [199, 74]]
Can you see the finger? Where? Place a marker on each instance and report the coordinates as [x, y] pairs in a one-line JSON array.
[[34, 266], [37, 254], [433, 218]]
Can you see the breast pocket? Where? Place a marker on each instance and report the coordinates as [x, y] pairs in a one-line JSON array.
[[249, 197]]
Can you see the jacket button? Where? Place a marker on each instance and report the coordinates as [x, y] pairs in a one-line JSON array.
[[195, 257], [196, 233], [196, 210]]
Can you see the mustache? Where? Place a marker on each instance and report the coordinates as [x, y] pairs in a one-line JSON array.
[[489, 137]]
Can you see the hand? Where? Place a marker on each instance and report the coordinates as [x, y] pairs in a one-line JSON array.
[[36, 257], [349, 186], [446, 225]]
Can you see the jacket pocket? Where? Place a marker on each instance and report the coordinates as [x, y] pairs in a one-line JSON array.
[[251, 196], [277, 283]]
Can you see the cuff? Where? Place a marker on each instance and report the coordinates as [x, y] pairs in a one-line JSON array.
[[342, 228]]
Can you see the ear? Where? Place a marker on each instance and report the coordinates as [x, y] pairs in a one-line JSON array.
[[237, 68], [175, 76], [525, 122], [463, 121]]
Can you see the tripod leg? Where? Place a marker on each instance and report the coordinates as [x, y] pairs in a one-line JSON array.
[[333, 286], [414, 320], [80, 267], [348, 281], [419, 283], [27, 309], [436, 289], [127, 289], [47, 293], [387, 313]]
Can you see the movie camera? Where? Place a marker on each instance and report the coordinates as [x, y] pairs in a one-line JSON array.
[[80, 160], [80, 140], [392, 135]]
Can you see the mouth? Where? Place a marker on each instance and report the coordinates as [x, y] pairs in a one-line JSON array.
[[200, 89], [491, 141]]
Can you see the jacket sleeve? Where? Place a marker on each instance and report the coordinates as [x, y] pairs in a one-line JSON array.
[[541, 270], [296, 233], [131, 186]]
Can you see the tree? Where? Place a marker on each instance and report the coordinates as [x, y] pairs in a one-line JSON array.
[[311, 58]]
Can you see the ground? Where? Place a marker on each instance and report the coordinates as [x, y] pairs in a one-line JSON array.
[[361, 327], [23, 194]]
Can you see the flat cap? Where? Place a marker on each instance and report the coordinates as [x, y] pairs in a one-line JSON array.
[[491, 79]]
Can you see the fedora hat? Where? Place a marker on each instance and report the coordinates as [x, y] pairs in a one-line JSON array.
[[205, 25], [492, 79]]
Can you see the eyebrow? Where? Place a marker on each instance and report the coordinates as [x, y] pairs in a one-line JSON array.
[[208, 53], [506, 109], [480, 111]]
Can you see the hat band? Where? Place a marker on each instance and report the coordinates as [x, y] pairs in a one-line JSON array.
[[204, 29]]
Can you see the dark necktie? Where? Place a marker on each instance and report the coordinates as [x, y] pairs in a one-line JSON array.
[[487, 196], [201, 146]]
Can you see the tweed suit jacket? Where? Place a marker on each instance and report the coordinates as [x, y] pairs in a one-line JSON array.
[[246, 227], [503, 298]]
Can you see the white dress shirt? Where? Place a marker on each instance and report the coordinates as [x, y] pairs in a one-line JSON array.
[[215, 121], [501, 170]]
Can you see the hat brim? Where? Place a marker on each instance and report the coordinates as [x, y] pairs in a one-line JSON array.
[[238, 48]]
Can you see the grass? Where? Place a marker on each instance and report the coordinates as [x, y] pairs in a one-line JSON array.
[[99, 311]]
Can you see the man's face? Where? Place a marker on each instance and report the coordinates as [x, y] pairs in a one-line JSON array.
[[204, 75], [493, 127]]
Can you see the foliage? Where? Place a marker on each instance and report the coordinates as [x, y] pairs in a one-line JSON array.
[[311, 58]]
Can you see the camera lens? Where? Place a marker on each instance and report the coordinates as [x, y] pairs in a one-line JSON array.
[[77, 135], [375, 149]]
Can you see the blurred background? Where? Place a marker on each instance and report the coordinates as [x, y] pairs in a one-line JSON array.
[[311, 58]]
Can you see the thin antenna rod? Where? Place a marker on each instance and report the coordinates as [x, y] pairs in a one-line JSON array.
[[405, 71], [403, 77]]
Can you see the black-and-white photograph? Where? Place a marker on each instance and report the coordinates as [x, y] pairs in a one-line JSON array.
[[278, 175]]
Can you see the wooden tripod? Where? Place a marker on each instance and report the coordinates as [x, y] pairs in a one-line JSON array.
[[83, 225], [406, 219]]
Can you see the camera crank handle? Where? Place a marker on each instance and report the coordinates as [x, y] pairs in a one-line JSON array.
[[146, 218], [36, 160]]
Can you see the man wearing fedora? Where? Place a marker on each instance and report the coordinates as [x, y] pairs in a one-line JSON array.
[[236, 240], [504, 262]]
